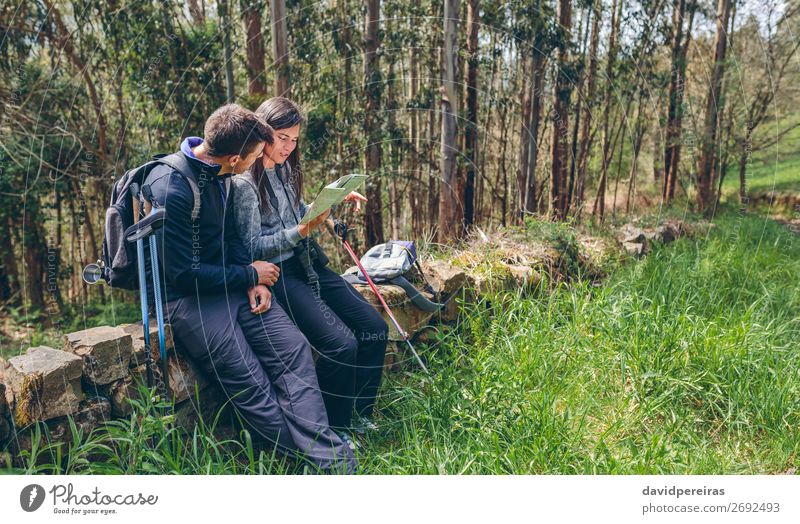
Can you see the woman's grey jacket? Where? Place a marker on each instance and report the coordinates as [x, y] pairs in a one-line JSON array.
[[260, 227]]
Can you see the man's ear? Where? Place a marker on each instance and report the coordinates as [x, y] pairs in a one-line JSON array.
[[233, 160]]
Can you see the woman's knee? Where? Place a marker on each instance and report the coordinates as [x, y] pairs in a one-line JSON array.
[[375, 326], [342, 350]]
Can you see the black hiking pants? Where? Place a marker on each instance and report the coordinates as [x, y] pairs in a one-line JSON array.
[[347, 332]]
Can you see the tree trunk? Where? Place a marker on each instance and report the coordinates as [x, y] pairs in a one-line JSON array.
[[417, 191], [280, 47], [450, 212], [583, 28], [671, 146], [482, 180], [623, 124], [395, 193], [122, 149], [526, 101], [345, 93], [227, 48], [680, 47], [728, 127], [471, 128], [197, 12], [77, 288], [537, 88], [9, 273], [33, 256], [607, 154], [743, 177], [372, 126], [586, 138], [709, 156], [55, 305], [503, 183], [434, 118], [559, 147], [658, 144], [254, 47], [638, 135]]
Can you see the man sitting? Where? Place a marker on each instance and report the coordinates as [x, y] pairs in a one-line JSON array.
[[219, 305]]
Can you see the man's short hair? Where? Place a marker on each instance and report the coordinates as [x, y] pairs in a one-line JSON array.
[[234, 130]]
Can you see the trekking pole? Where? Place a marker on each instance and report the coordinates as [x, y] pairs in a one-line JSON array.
[[148, 356], [340, 230], [162, 344], [146, 227]]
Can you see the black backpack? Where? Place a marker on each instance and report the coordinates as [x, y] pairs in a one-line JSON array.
[[118, 266]]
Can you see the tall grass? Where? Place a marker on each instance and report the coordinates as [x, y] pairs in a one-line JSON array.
[[684, 362], [151, 442]]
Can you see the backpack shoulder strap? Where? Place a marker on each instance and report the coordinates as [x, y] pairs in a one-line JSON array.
[[279, 168], [273, 200], [352, 278], [179, 163], [417, 298]]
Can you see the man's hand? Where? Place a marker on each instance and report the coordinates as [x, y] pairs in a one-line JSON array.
[[306, 229], [260, 299], [268, 272]]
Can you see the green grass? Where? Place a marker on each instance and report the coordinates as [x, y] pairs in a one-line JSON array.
[[776, 168], [684, 362], [150, 442]]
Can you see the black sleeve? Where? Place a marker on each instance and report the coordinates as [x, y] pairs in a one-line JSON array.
[[177, 240]]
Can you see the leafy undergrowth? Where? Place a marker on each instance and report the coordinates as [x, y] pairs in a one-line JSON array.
[[685, 362]]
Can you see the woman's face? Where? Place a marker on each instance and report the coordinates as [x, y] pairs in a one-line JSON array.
[[285, 143]]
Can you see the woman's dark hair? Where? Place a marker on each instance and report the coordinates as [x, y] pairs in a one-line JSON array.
[[280, 113]]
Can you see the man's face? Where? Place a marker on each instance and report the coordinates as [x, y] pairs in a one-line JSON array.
[[241, 163]]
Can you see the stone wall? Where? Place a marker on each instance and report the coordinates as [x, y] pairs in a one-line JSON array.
[[94, 375]]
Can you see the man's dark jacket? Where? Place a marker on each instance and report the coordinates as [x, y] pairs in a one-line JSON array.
[[202, 257]]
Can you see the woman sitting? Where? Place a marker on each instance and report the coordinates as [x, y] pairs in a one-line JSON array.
[[347, 332]]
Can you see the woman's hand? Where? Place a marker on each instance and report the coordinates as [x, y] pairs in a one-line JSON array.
[[307, 229], [260, 299], [357, 198]]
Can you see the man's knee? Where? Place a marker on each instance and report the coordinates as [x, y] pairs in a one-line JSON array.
[[200, 325]]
